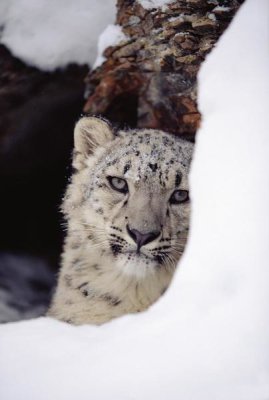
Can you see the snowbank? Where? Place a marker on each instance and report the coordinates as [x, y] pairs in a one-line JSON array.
[[50, 34], [207, 338]]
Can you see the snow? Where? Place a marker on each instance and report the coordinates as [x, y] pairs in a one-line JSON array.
[[50, 37], [221, 8], [111, 36], [211, 16], [207, 338], [149, 4]]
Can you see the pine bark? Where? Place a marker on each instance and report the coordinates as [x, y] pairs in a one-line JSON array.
[[150, 80]]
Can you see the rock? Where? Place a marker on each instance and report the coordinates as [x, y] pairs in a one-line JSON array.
[[150, 80]]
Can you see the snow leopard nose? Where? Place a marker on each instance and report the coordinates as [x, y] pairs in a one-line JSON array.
[[142, 238]]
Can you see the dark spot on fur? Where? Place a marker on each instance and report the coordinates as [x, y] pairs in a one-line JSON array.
[[136, 288], [153, 167], [177, 179], [118, 238], [96, 267], [116, 248], [162, 183], [168, 212], [165, 239], [100, 211], [69, 302], [82, 285], [116, 228], [166, 141], [126, 168], [162, 248], [114, 301]]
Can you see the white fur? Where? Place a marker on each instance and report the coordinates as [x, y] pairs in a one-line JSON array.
[[102, 276]]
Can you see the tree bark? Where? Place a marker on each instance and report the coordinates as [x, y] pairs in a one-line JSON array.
[[150, 80]]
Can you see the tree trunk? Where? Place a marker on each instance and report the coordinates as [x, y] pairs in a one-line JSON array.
[[150, 80]]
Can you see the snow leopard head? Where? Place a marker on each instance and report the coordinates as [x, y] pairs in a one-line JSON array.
[[129, 195]]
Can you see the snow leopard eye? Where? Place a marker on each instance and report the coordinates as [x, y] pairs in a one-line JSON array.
[[179, 196], [118, 184]]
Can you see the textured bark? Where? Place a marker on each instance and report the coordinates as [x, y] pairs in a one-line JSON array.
[[150, 80]]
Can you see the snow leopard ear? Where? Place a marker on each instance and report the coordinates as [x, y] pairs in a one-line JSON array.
[[90, 133]]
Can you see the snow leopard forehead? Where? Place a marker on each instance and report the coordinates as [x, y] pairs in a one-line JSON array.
[[148, 156]]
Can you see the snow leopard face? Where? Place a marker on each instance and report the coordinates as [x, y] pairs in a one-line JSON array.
[[129, 196]]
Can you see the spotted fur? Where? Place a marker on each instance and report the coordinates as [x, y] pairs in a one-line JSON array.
[[104, 272]]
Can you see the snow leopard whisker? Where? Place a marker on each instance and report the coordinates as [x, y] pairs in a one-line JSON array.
[[168, 263], [178, 248], [100, 244], [94, 230], [163, 258], [173, 260]]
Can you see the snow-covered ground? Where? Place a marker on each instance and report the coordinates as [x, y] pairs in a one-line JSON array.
[[208, 337], [50, 34]]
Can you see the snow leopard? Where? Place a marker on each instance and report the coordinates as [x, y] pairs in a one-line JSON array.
[[127, 209]]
